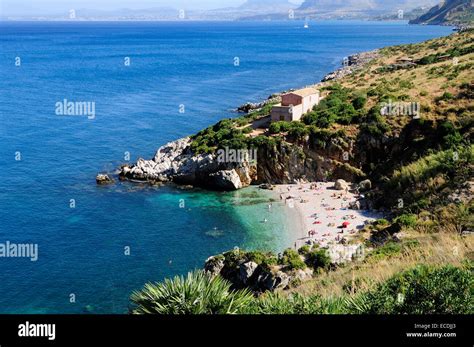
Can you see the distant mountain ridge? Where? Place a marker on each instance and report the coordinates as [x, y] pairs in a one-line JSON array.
[[363, 5], [455, 12], [352, 9], [267, 5], [421, 11]]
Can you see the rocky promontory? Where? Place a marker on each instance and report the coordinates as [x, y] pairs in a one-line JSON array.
[[283, 163], [265, 271], [176, 162], [353, 63], [253, 106]]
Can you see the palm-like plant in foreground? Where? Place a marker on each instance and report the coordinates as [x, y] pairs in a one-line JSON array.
[[197, 293]]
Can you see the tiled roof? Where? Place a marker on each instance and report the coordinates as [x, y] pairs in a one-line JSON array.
[[305, 92]]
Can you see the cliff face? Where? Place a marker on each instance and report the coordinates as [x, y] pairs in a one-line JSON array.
[[288, 163], [283, 163], [450, 12]]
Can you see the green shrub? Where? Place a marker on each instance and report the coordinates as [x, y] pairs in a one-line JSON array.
[[449, 134], [221, 135], [350, 287], [304, 250], [336, 107], [359, 102], [197, 293], [374, 124], [298, 130], [382, 222], [318, 259], [404, 84], [424, 290], [407, 220], [445, 97], [234, 258], [247, 130], [262, 141], [421, 290], [430, 166], [296, 304], [387, 250], [292, 259], [265, 259], [278, 127]]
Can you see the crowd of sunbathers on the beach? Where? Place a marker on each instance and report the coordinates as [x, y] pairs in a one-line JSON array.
[[334, 230]]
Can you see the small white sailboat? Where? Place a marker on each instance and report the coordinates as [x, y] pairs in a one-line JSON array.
[[306, 23]]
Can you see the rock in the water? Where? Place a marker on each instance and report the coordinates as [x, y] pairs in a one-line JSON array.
[[225, 180], [266, 186], [103, 179], [177, 162], [246, 271], [341, 185]]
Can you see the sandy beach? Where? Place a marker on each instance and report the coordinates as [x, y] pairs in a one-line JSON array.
[[325, 217]]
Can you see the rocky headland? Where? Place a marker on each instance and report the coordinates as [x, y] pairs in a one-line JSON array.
[[353, 63], [285, 163], [176, 162]]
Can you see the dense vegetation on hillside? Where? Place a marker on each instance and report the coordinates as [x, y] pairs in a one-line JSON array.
[[421, 290], [420, 160]]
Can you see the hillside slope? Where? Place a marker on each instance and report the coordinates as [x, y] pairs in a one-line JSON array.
[[365, 6], [452, 12], [405, 121]]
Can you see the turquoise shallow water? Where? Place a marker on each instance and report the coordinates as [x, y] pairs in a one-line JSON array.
[[81, 249]]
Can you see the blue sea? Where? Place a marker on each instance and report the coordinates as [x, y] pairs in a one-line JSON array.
[[98, 244]]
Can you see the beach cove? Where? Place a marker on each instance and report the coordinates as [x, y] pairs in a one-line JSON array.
[[137, 110], [325, 214]]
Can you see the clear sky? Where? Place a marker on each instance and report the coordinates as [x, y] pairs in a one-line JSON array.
[[27, 7]]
